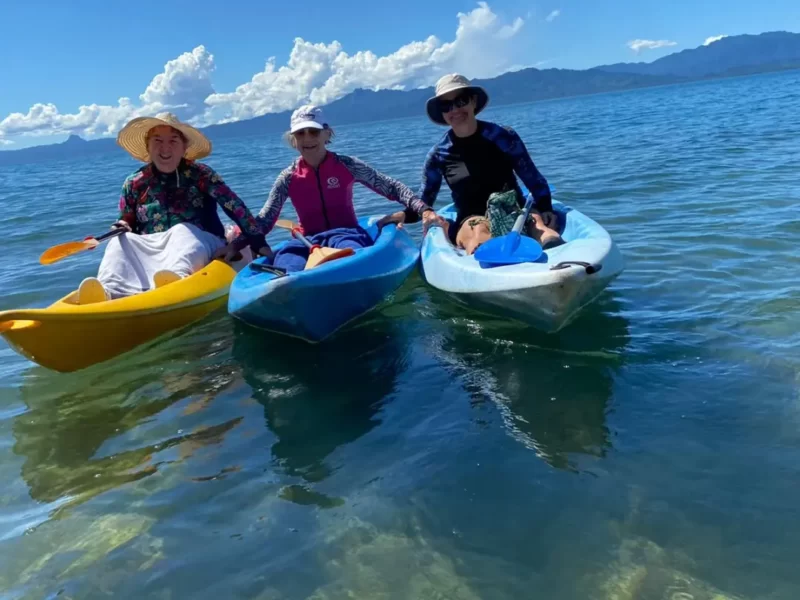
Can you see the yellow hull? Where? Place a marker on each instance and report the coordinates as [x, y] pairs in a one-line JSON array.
[[67, 336]]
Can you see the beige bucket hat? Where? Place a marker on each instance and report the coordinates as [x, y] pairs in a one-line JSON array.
[[132, 137], [450, 83]]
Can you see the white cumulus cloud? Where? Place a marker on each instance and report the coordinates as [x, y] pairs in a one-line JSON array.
[[184, 85], [320, 73], [553, 16], [484, 45], [712, 39], [182, 88], [639, 45]]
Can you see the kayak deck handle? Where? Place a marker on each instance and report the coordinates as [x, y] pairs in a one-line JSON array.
[[590, 268], [18, 323], [278, 272]]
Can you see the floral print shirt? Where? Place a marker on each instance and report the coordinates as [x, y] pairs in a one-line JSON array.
[[152, 201]]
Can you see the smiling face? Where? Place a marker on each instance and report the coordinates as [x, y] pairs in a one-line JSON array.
[[458, 110], [310, 142], [166, 147]]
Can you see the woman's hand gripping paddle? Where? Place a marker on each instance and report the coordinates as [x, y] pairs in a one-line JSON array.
[[66, 249]]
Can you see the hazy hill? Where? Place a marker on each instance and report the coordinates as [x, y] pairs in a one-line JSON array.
[[735, 55]]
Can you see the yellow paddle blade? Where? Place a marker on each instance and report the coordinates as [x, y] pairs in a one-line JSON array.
[[285, 224], [60, 251], [323, 255]]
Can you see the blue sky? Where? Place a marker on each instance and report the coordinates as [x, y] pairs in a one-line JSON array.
[[62, 56]]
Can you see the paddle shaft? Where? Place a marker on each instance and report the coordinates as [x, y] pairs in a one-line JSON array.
[[295, 229], [513, 237], [523, 218], [109, 234], [61, 251], [296, 233]]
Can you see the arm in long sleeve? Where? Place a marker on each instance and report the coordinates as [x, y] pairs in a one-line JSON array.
[[233, 206], [386, 186], [271, 210], [431, 183], [127, 205], [526, 170]]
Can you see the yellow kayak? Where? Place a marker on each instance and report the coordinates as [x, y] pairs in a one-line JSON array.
[[67, 336]]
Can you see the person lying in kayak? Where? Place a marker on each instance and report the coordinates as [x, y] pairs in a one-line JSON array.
[[476, 159], [501, 214], [170, 204], [320, 185]]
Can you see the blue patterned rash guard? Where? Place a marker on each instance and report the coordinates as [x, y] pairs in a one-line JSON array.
[[477, 166]]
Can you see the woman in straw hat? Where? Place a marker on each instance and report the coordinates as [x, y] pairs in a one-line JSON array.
[[320, 185], [171, 204], [478, 159]]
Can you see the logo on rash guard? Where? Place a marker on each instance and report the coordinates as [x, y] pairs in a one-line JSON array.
[[333, 182]]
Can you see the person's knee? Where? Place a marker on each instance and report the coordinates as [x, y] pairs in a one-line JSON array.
[[186, 228], [354, 244], [291, 258], [355, 238], [289, 263]]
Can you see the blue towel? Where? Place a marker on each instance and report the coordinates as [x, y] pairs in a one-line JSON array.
[[293, 256]]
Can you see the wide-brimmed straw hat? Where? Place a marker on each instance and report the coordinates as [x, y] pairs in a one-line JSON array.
[[451, 83], [132, 137]]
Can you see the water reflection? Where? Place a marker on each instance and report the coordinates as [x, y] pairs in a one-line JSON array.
[[553, 390], [317, 398], [87, 432]]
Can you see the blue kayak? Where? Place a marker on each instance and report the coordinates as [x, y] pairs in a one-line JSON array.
[[314, 303], [547, 293]]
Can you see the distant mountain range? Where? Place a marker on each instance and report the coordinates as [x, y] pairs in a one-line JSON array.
[[730, 56], [734, 55]]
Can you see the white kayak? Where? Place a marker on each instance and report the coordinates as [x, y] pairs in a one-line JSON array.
[[546, 294]]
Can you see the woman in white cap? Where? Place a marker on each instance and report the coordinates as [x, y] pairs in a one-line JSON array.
[[320, 185], [171, 205], [477, 159]]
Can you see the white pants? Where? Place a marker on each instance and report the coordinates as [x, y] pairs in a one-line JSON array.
[[131, 260]]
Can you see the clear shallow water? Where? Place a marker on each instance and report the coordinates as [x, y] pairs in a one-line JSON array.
[[650, 450]]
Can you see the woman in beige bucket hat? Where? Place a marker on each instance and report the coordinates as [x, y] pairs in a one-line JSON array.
[[168, 209], [478, 159]]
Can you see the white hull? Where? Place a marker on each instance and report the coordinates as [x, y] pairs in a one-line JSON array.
[[546, 294]]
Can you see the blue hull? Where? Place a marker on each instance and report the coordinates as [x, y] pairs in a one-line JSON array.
[[313, 304]]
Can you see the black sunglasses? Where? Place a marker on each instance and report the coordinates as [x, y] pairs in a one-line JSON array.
[[459, 101]]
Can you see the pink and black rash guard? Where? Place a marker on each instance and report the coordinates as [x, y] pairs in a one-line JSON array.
[[323, 197]]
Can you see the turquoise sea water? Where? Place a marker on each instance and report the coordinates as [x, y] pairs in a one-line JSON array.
[[649, 451]]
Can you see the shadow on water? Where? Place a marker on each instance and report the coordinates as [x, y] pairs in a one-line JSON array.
[[72, 418], [318, 398], [553, 390]]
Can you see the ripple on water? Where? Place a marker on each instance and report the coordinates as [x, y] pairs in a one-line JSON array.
[[650, 449]]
